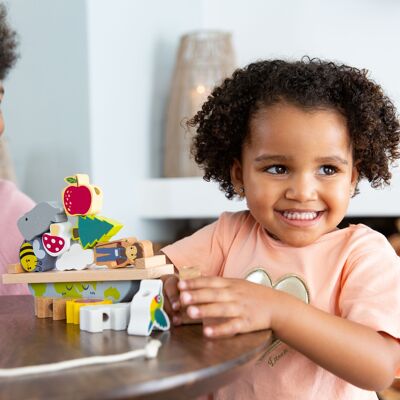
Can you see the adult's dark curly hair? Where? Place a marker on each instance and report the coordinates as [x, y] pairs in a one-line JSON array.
[[222, 125], [8, 44]]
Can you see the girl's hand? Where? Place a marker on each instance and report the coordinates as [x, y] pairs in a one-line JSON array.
[[238, 305], [172, 305]]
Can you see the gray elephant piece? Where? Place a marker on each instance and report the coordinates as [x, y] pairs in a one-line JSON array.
[[39, 219]]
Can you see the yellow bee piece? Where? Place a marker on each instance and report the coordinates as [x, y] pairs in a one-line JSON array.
[[27, 257]]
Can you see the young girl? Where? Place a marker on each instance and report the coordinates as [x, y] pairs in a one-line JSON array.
[[294, 139], [13, 203]]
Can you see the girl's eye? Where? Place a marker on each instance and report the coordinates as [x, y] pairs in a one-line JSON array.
[[276, 169], [328, 170]]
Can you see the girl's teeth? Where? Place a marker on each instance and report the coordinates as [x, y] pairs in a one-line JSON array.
[[300, 215]]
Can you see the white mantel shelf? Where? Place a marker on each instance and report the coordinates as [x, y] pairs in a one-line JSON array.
[[183, 198], [189, 198]]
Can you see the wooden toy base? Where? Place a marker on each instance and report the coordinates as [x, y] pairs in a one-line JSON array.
[[116, 291], [92, 274]]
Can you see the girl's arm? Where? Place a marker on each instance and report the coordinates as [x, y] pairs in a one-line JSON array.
[[354, 352]]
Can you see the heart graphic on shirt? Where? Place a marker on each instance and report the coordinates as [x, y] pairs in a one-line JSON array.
[[291, 283]]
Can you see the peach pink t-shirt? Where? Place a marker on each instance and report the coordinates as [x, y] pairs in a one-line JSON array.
[[353, 273], [13, 204]]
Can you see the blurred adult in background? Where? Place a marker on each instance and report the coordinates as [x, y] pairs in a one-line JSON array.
[[13, 203]]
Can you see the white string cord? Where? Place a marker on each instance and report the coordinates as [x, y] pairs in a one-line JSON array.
[[149, 351]]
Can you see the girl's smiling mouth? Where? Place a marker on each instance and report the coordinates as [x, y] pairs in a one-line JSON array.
[[300, 218]]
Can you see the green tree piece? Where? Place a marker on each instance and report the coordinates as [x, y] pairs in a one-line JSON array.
[[93, 229]]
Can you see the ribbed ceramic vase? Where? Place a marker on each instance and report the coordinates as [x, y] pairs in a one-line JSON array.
[[204, 59]]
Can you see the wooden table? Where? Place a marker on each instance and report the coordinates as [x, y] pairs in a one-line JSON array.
[[187, 365]]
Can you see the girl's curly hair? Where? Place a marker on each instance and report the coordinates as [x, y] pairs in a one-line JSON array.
[[8, 44], [222, 125]]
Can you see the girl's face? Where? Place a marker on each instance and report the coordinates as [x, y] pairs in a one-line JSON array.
[[297, 172]]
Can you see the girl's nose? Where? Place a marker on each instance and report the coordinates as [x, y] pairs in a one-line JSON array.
[[302, 189]]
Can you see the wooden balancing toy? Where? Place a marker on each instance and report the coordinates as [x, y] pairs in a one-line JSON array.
[[70, 267]]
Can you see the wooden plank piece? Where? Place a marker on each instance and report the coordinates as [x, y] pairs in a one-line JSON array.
[[15, 269], [148, 262], [87, 275], [189, 273]]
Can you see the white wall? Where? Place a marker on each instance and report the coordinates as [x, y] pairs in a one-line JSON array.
[[89, 92], [46, 100], [132, 49]]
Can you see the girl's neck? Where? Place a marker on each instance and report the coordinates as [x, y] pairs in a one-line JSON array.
[[271, 235]]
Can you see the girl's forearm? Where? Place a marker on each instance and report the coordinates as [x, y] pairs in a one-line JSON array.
[[352, 351]]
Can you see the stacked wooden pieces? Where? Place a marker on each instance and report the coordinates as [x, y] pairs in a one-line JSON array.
[[93, 274], [50, 307]]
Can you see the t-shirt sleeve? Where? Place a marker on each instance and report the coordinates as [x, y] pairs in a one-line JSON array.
[[370, 292], [206, 248]]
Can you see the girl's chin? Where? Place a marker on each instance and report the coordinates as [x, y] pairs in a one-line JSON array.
[[292, 239]]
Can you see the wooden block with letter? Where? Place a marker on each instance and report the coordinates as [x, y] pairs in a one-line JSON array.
[[148, 262]]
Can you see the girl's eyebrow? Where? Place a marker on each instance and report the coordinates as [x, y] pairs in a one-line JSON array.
[[332, 159], [281, 158], [266, 157]]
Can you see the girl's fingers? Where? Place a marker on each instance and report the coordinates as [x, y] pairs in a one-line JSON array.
[[214, 310], [207, 295], [167, 306], [177, 319], [171, 292], [227, 328], [203, 282], [173, 315]]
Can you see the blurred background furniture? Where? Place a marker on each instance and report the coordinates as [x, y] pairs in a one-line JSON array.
[[204, 59]]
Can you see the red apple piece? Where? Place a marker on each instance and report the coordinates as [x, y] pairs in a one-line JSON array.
[[77, 200]]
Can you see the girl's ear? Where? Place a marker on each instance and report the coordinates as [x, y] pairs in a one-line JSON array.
[[354, 177], [237, 176]]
